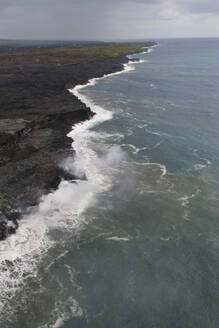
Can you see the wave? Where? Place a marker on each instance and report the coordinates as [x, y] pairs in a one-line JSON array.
[[115, 238], [141, 126], [133, 148], [140, 61]]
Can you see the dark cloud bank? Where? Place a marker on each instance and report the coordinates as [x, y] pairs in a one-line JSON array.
[[104, 19]]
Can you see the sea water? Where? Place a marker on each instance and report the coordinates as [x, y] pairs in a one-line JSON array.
[[136, 243]]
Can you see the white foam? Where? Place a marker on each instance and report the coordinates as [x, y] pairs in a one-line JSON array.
[[157, 145], [115, 238], [164, 171], [150, 50], [140, 61], [21, 253], [141, 126], [201, 166], [198, 167], [103, 114], [154, 133], [207, 161], [133, 148], [18, 257], [185, 202], [153, 86], [165, 239]]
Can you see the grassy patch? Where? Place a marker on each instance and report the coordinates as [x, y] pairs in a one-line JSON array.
[[70, 55]]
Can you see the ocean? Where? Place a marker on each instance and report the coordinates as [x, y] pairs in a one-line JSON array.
[[135, 243]]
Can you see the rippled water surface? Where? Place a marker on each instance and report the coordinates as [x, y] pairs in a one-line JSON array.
[[137, 244]]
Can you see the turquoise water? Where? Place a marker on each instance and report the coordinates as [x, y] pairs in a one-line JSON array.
[[143, 252]]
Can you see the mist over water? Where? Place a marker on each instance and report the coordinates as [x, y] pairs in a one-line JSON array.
[[135, 244]]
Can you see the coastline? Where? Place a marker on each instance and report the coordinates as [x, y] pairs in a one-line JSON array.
[[23, 251], [29, 170]]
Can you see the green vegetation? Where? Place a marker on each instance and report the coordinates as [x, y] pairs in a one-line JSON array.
[[70, 55]]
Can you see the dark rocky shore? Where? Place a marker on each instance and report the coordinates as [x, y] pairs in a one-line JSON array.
[[36, 113]]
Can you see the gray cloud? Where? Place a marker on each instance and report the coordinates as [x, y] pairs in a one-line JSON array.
[[201, 6], [104, 19]]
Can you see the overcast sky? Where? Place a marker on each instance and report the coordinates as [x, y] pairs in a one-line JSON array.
[[108, 19]]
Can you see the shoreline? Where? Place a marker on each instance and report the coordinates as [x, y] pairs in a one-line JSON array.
[[24, 250], [44, 174]]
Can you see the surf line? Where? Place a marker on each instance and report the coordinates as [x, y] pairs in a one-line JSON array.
[[103, 114]]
